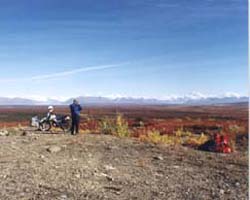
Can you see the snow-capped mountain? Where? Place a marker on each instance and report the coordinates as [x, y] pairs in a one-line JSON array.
[[190, 99]]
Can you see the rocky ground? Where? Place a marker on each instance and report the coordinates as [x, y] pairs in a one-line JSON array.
[[59, 166]]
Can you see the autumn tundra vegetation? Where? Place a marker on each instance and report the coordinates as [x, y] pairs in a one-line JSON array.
[[127, 152], [189, 126]]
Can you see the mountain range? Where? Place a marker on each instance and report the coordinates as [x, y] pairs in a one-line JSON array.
[[91, 100]]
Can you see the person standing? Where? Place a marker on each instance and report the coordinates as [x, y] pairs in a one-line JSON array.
[[75, 109]]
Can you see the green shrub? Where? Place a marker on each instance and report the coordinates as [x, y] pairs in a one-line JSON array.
[[118, 127], [107, 126], [236, 129], [122, 129], [179, 137], [181, 133], [195, 140], [154, 136]]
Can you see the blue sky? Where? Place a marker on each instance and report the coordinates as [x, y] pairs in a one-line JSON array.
[[149, 48]]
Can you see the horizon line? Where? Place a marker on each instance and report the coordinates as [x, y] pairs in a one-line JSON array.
[[113, 97]]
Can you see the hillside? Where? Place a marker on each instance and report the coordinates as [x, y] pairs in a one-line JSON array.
[[57, 166]]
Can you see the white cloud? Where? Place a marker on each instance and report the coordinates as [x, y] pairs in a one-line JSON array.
[[61, 74]]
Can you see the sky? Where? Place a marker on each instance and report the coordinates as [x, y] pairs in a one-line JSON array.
[[137, 48]]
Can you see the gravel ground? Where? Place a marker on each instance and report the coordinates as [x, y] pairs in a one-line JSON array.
[[57, 166]]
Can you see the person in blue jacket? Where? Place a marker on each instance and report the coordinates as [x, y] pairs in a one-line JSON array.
[[75, 109]]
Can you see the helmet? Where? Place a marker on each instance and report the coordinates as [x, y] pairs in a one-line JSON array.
[[50, 108]]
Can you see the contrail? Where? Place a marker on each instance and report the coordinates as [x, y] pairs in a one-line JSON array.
[[63, 74]]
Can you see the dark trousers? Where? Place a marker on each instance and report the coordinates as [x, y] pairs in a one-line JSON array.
[[75, 124]]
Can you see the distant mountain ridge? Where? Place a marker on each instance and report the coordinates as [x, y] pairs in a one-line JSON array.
[[90, 100]]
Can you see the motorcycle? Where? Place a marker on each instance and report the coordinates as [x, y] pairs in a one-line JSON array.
[[46, 124]]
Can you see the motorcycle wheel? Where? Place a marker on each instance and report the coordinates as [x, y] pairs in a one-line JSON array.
[[45, 126], [66, 126]]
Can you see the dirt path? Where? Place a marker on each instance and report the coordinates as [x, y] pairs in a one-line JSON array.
[[38, 166]]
